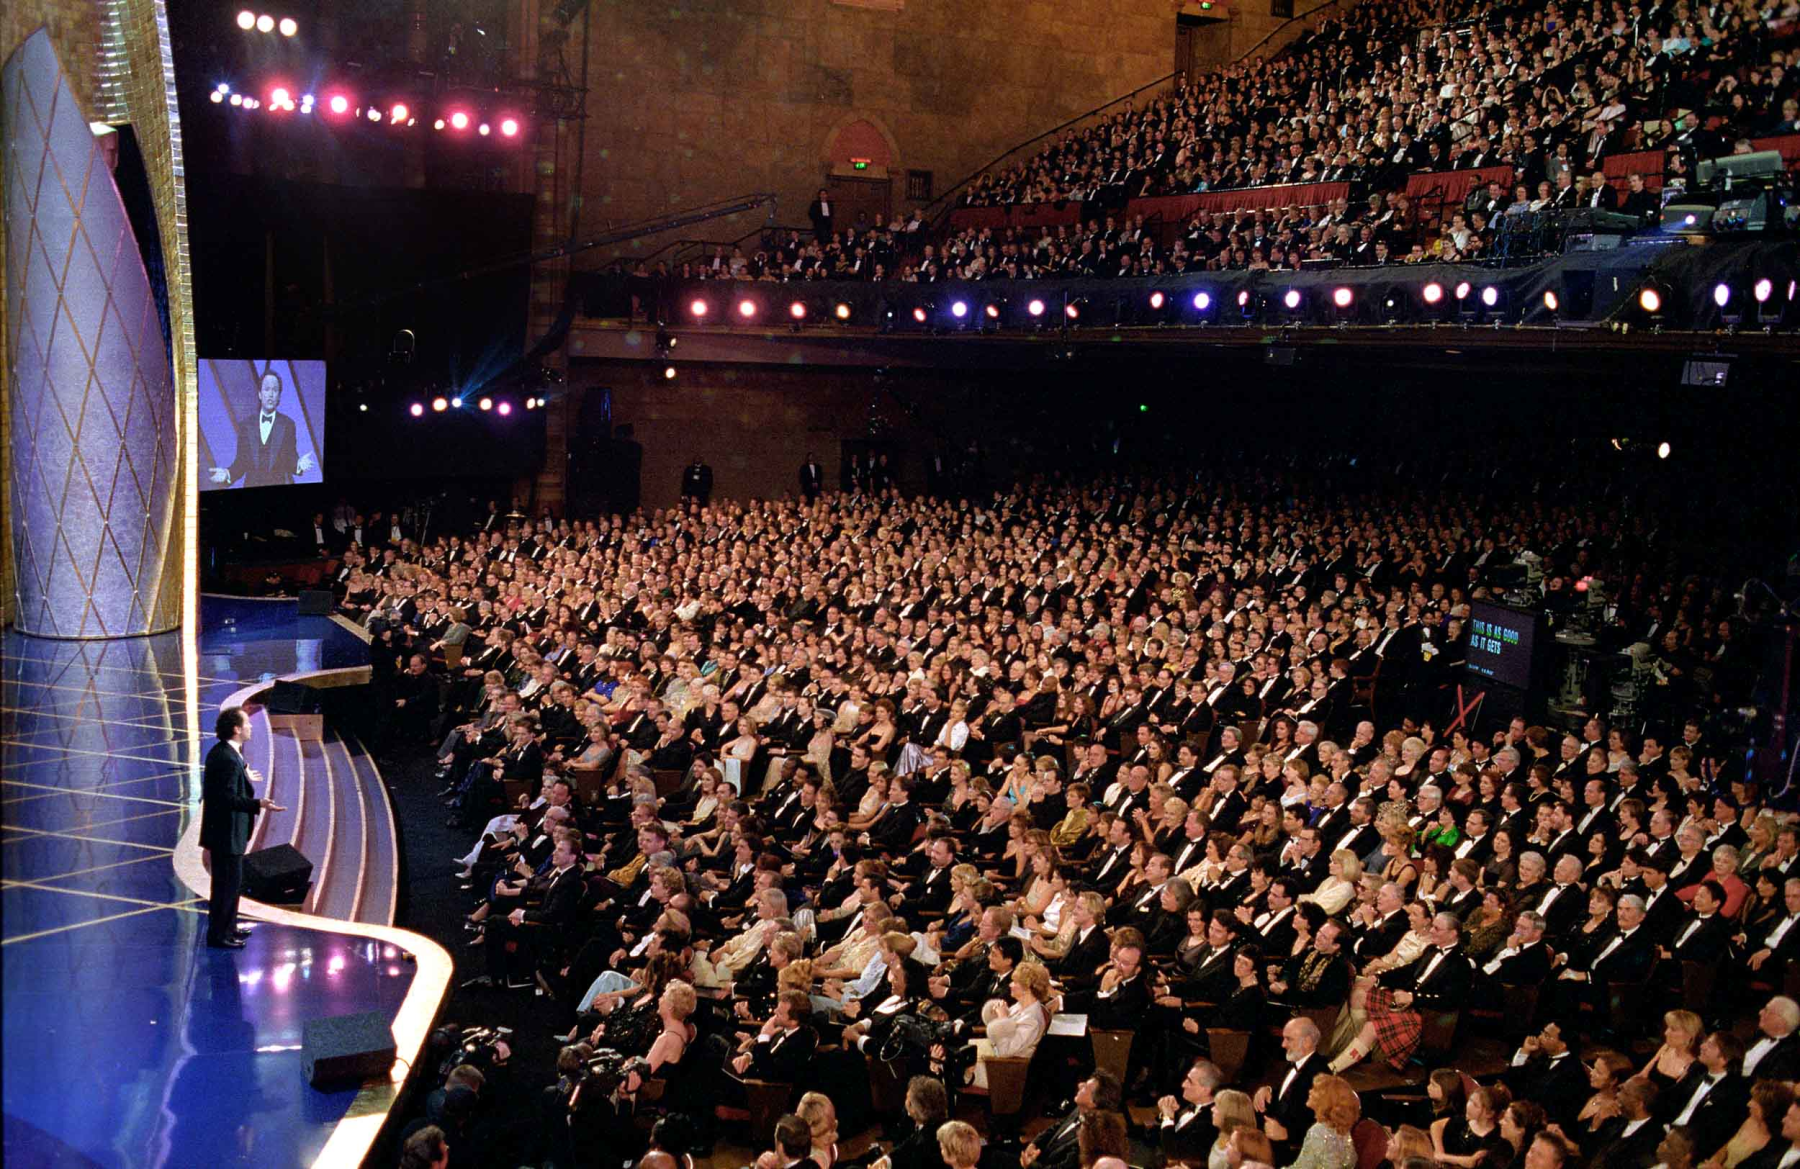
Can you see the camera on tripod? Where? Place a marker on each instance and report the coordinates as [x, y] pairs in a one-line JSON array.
[[471, 1045]]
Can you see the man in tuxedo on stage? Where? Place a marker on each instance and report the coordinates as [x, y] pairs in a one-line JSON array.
[[267, 444], [228, 809]]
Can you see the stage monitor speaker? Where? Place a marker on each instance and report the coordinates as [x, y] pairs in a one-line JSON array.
[[292, 698], [315, 602], [278, 875], [347, 1048]]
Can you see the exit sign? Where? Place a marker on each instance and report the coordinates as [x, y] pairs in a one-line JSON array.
[[859, 164]]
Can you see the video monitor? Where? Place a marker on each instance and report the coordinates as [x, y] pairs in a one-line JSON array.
[[262, 423]]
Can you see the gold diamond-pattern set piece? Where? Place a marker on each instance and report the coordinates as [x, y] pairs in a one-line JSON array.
[[94, 438]]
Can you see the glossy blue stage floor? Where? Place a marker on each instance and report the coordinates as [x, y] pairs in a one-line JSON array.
[[128, 1042]]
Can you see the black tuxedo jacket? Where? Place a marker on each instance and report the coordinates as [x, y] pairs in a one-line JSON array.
[[1379, 939], [1447, 986], [228, 808], [1059, 1146], [1288, 1100], [1719, 1113], [1611, 1149], [783, 1059], [1084, 957], [1705, 944], [265, 464]]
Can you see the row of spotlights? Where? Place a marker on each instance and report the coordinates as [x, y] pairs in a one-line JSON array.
[[1343, 298], [340, 105], [441, 404], [265, 23]]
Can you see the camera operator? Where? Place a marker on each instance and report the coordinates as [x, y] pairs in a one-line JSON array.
[[590, 1111]]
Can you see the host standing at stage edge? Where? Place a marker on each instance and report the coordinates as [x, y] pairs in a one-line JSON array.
[[228, 809]]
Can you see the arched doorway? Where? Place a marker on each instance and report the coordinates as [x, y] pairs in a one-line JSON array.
[[860, 160]]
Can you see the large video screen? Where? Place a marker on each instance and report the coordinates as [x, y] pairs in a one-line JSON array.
[[1501, 642], [262, 423]]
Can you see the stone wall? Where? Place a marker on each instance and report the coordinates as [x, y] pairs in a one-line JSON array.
[[711, 98]]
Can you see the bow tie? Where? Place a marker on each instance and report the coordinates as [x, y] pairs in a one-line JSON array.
[[268, 417]]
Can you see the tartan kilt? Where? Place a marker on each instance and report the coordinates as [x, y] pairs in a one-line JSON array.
[[1397, 1031]]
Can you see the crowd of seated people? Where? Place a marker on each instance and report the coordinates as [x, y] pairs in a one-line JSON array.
[[1368, 97], [864, 788]]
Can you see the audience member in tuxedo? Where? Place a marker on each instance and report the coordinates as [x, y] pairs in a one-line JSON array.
[[1286, 1107], [1185, 1131]]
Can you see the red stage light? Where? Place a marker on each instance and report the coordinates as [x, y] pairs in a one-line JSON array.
[[746, 308], [398, 113], [509, 128], [459, 121], [797, 310], [338, 104]]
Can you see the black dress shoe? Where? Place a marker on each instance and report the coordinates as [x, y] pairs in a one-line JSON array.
[[225, 944], [243, 931]]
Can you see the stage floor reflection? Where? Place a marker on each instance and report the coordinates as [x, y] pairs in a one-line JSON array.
[[127, 1041]]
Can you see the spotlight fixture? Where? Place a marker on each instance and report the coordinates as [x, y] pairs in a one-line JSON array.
[[1202, 301], [1432, 294], [440, 404], [246, 20], [456, 403], [697, 308], [746, 308], [417, 410], [668, 373], [1035, 307], [1290, 300], [1551, 301], [1293, 307], [842, 311], [531, 403], [399, 113], [459, 120], [1342, 297], [1249, 305], [362, 407], [288, 26], [486, 404], [1662, 450], [504, 408], [1072, 310], [920, 315], [338, 104], [797, 314], [265, 23], [509, 127], [237, 99], [959, 309], [218, 95], [279, 96], [438, 125], [992, 310], [482, 129], [1157, 300]]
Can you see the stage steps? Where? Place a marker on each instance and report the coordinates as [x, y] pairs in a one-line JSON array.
[[338, 814]]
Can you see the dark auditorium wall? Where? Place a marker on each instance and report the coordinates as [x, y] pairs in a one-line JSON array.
[[709, 98], [753, 426]]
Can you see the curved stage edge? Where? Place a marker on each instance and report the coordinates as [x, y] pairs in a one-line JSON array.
[[128, 1043], [353, 1136]]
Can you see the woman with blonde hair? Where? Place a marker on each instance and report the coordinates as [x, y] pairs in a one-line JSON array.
[[1336, 1110], [1682, 1032], [1339, 887], [820, 1115], [1231, 1111], [1074, 824]]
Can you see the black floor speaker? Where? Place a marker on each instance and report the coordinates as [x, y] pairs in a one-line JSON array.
[[347, 1048], [292, 698], [315, 602], [278, 875]]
